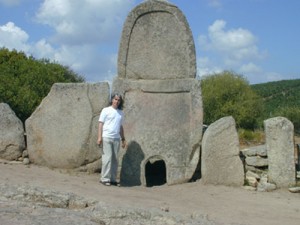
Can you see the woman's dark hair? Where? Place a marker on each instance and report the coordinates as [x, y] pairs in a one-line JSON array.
[[121, 99]]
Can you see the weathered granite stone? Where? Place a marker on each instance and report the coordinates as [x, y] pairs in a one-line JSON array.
[[94, 167], [264, 185], [280, 147], [27, 205], [26, 161], [254, 169], [156, 44], [252, 178], [255, 151], [220, 159], [163, 103], [294, 189], [252, 174], [256, 161], [252, 181], [62, 132], [12, 141], [25, 154]]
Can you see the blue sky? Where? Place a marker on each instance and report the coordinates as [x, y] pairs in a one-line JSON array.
[[259, 39]]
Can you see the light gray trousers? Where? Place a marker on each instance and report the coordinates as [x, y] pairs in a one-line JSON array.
[[111, 149]]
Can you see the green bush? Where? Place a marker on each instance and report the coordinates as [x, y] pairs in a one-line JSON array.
[[25, 81], [249, 136], [277, 95], [229, 94]]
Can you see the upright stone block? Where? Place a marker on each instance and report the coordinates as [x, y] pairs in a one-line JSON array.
[[62, 131], [220, 161], [280, 147], [12, 142], [163, 103]]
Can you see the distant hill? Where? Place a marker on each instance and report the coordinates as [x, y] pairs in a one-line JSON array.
[[285, 93]]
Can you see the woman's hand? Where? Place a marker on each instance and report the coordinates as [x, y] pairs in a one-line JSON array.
[[124, 144], [99, 141]]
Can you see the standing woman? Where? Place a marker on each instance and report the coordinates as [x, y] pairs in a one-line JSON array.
[[110, 132]]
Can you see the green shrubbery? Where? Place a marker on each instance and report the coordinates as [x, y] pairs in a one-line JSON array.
[[281, 98], [250, 136], [25, 81], [229, 94]]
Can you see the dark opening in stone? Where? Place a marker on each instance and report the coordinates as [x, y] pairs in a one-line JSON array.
[[155, 173]]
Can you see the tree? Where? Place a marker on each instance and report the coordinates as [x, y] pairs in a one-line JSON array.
[[229, 94], [25, 81]]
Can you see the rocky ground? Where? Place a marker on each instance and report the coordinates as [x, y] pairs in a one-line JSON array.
[[34, 195]]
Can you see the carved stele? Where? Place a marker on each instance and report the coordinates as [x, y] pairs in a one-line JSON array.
[[280, 147], [163, 103]]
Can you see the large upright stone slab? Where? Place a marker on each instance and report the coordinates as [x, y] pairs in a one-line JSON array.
[[156, 44], [280, 147], [220, 161], [163, 103], [12, 142], [62, 131]]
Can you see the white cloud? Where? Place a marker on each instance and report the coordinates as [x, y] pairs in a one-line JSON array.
[[13, 37], [85, 35], [85, 21], [236, 44], [230, 49], [85, 60], [206, 67], [250, 68], [42, 49]]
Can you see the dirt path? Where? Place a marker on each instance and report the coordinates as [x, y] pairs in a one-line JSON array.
[[221, 204]]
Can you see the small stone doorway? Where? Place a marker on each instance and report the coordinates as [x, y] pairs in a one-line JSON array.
[[155, 173]]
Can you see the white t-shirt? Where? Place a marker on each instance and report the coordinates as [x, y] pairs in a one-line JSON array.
[[112, 120]]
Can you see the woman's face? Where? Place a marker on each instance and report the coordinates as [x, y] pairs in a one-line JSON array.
[[116, 102]]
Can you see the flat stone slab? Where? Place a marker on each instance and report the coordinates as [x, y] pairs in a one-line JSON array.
[[294, 189], [62, 131]]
